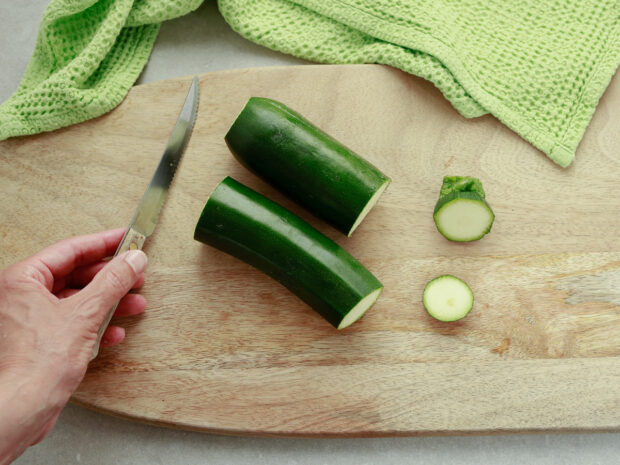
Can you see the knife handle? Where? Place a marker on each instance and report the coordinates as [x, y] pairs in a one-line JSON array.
[[132, 240]]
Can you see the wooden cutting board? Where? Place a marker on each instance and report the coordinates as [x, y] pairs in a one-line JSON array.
[[223, 348]]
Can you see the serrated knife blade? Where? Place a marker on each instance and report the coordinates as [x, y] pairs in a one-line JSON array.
[[146, 215]]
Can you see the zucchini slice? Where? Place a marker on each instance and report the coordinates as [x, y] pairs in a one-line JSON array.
[[243, 223], [448, 298], [303, 162], [461, 213]]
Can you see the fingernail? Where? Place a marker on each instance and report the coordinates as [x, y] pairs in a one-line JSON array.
[[136, 260]]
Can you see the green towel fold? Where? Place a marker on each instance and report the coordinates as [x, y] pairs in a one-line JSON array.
[[87, 56], [540, 66]]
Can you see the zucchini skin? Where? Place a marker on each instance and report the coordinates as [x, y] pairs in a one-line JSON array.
[[247, 225], [460, 195], [461, 187], [303, 162]]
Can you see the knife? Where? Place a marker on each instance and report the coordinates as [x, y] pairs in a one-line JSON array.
[[145, 218]]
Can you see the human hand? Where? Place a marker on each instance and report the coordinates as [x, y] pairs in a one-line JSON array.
[[51, 307]]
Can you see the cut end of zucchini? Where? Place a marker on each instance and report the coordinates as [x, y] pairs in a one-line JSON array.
[[371, 203], [464, 219], [358, 311], [448, 298]]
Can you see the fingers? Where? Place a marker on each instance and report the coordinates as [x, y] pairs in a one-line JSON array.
[[131, 304], [111, 283], [83, 275], [113, 335], [80, 277], [140, 282], [58, 260]]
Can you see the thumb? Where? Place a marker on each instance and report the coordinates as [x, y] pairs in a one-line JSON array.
[[113, 281]]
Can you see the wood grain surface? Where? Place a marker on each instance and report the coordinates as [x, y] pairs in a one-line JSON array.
[[223, 348]]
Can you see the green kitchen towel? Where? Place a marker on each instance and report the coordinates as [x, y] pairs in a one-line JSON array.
[[87, 56], [539, 66]]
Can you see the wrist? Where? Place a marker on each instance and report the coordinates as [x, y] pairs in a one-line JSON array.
[[17, 421], [27, 404]]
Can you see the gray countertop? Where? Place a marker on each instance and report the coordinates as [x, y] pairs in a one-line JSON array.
[[198, 43]]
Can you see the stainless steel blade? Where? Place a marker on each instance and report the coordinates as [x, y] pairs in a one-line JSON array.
[[147, 213]]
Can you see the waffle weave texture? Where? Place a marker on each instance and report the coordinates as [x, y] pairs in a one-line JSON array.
[[87, 56], [538, 66]]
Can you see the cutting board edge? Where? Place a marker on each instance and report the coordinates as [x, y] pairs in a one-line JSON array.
[[369, 433], [532, 386]]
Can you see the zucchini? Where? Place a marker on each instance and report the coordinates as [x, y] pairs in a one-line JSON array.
[[448, 298], [303, 162], [461, 213], [243, 223]]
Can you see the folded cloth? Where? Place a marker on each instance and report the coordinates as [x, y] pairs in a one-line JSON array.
[[87, 56], [539, 66]]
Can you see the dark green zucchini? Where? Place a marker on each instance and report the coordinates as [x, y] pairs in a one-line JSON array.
[[243, 223], [305, 163]]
